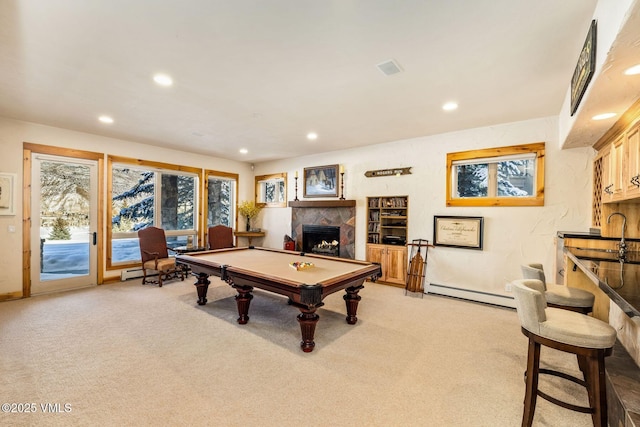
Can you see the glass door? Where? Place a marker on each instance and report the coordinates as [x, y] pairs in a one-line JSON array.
[[64, 211]]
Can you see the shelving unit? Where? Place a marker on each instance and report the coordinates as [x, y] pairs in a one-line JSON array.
[[387, 223], [387, 220]]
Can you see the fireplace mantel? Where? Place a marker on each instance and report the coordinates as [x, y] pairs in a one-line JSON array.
[[322, 204]]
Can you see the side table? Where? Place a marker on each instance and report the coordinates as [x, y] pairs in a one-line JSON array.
[[249, 234]]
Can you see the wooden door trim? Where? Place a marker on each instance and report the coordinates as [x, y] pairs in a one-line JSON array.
[[28, 150]]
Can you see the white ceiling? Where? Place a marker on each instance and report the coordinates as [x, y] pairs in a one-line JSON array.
[[260, 75]]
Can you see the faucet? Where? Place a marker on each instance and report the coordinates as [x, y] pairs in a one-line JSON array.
[[622, 246]]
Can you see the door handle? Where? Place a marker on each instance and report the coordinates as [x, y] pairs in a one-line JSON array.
[[95, 238]]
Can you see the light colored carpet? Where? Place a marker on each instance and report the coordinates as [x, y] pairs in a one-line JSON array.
[[131, 355]]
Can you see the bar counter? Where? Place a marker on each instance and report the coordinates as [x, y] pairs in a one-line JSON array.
[[619, 280]]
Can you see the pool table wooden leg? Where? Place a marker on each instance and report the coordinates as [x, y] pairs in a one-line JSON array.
[[308, 320], [243, 299], [352, 299], [202, 286]]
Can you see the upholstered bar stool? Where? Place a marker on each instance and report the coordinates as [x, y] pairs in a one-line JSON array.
[[590, 339], [560, 296]]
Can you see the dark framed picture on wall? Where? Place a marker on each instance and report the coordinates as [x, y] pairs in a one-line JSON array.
[[321, 181], [584, 68], [458, 231]]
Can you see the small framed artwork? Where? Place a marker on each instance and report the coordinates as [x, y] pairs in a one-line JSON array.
[[7, 193], [458, 231], [321, 181]]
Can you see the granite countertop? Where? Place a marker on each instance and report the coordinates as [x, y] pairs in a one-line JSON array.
[[589, 235], [579, 234], [619, 280]]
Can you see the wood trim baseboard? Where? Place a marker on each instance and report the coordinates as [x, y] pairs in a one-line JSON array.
[[11, 296]]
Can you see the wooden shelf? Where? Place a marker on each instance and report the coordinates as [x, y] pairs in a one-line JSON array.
[[387, 217], [387, 222], [322, 204]]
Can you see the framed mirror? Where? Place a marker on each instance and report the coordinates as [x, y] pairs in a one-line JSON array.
[[271, 190]]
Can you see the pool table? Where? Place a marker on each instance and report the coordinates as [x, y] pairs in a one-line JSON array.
[[245, 268]]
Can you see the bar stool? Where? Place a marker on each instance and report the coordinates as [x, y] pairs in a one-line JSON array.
[[560, 296], [590, 339]]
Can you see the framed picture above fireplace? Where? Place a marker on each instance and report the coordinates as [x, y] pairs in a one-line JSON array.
[[321, 181]]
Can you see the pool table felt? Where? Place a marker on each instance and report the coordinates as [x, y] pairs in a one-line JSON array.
[[276, 264]]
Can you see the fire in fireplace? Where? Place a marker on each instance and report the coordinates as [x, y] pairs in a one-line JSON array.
[[321, 239]]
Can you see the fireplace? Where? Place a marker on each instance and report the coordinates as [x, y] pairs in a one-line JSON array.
[[340, 214], [321, 239]]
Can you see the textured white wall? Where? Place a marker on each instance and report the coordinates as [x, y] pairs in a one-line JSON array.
[[512, 235]]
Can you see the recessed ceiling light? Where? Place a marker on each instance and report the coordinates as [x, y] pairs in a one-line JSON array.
[[603, 116], [163, 79], [106, 119], [633, 70], [312, 136], [450, 106], [243, 151]]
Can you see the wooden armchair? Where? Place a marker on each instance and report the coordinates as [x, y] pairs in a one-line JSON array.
[[155, 256], [220, 237]]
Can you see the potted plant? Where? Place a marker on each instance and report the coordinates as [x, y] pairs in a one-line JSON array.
[[249, 210]]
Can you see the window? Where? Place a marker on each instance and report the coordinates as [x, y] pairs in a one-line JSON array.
[[505, 176], [147, 194], [221, 198], [271, 190]]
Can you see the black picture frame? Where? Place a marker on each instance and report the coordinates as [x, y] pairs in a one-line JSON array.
[[465, 232], [584, 68], [321, 181]]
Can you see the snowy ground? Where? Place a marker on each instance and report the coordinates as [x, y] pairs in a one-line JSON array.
[[72, 256], [69, 256]]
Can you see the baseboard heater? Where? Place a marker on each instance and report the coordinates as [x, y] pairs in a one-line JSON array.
[[469, 294], [133, 273]]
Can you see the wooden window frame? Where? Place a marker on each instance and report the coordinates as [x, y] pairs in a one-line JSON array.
[[536, 148], [277, 177], [160, 167], [210, 173]]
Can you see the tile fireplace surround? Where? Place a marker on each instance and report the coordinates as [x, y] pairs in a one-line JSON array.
[[339, 213]]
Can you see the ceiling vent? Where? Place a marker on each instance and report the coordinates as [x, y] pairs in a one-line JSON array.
[[389, 67]]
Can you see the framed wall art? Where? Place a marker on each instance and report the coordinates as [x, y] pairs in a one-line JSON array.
[[458, 231], [584, 68], [7, 193], [321, 181]]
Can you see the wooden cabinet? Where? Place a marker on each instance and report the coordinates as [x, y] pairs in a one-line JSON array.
[[604, 157], [393, 261], [632, 156], [620, 170], [387, 222], [616, 176], [617, 169]]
